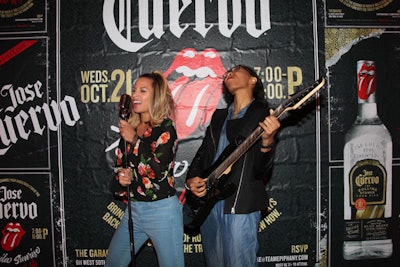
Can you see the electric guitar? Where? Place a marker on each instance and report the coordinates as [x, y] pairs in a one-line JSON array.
[[196, 209]]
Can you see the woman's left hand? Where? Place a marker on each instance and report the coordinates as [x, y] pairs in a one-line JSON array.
[[271, 126], [126, 131], [125, 177]]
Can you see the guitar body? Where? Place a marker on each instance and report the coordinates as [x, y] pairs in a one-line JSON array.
[[196, 209]]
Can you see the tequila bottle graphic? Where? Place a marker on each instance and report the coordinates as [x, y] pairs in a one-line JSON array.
[[367, 159]]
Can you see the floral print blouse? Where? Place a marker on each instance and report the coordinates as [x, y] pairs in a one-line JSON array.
[[152, 160]]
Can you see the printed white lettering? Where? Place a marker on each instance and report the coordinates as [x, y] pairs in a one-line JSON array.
[[8, 194], [184, 165], [21, 95], [33, 254], [23, 124], [5, 259], [18, 210], [227, 24]]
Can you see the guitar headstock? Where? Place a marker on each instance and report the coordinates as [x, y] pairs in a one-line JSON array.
[[300, 98]]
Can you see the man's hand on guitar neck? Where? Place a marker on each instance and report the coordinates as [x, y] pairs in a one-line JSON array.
[[197, 185]]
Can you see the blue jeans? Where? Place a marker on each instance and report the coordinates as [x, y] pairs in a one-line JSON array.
[[162, 222], [230, 240]]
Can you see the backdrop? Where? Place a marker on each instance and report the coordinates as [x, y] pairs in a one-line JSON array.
[[64, 65]]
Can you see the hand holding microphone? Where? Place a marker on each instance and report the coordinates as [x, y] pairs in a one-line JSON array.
[[124, 106], [125, 129], [125, 176]]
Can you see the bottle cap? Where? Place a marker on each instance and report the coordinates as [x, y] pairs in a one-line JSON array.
[[366, 78]]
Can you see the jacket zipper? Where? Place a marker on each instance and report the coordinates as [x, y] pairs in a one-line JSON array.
[[233, 209]]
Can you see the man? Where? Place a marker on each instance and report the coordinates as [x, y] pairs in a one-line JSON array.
[[229, 234]]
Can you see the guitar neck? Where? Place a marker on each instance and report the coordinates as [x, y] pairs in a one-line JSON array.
[[236, 154], [296, 101]]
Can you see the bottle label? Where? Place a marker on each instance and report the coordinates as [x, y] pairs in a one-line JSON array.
[[367, 181], [362, 230]]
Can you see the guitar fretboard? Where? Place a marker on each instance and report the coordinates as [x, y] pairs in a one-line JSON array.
[[298, 99]]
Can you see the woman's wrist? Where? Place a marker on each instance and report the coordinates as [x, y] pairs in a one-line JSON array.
[[267, 148], [270, 146]]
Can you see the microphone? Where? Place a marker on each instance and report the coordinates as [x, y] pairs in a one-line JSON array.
[[124, 106]]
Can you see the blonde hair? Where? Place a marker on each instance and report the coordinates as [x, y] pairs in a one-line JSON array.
[[162, 104]]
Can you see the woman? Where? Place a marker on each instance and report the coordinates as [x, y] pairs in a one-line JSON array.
[[229, 233], [151, 142]]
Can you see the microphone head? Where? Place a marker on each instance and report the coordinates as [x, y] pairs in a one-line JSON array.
[[124, 106]]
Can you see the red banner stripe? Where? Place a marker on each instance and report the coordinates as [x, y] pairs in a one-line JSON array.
[[16, 50]]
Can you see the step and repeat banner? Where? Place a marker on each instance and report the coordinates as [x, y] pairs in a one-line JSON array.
[[333, 195]]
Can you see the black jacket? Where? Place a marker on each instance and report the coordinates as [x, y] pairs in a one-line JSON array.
[[250, 172]]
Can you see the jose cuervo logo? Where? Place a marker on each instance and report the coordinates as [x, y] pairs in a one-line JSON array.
[[120, 29]]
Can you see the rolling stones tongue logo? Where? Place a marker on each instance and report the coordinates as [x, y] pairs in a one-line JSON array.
[[366, 80], [12, 235], [199, 89]]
